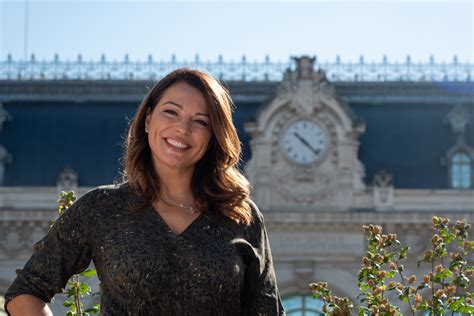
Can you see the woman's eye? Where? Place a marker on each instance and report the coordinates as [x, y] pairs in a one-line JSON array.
[[201, 122], [171, 112]]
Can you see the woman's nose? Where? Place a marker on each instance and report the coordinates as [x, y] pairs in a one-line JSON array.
[[185, 126]]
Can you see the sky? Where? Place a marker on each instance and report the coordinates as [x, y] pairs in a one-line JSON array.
[[279, 29]]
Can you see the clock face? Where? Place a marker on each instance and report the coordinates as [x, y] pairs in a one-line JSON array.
[[304, 142]]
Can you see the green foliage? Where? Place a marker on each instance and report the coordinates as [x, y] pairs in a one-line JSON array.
[[76, 289], [441, 290]]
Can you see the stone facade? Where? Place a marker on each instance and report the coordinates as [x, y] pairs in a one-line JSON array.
[[314, 210]]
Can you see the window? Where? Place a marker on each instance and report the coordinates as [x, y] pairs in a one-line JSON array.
[[460, 171], [303, 305]]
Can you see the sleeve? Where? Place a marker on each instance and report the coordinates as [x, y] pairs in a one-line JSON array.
[[260, 293], [64, 251]]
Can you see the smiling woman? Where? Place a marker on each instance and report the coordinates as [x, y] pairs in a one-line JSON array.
[[180, 235]]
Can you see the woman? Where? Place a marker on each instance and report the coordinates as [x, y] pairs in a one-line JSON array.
[[180, 236]]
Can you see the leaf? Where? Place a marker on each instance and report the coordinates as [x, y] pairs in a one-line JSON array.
[[447, 237], [454, 306], [443, 274], [67, 303], [390, 274], [94, 309], [362, 311], [403, 252], [422, 286], [85, 289], [89, 273]]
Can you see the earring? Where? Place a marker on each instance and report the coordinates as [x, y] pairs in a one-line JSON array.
[[146, 129]]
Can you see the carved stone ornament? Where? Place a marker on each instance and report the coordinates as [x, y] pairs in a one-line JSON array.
[[4, 116], [383, 179], [5, 158], [383, 189], [458, 118], [307, 139], [303, 187], [67, 179]]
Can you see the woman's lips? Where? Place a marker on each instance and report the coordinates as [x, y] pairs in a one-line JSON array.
[[176, 144]]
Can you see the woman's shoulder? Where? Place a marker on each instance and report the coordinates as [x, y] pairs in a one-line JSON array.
[[106, 197], [257, 216]]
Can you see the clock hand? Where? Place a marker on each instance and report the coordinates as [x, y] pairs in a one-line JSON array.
[[305, 142]]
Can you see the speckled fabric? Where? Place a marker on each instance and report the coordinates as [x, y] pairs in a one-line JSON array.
[[214, 267]]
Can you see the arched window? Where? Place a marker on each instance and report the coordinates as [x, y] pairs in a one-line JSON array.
[[303, 305], [460, 171]]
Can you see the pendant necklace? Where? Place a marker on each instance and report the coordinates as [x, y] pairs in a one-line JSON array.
[[189, 207]]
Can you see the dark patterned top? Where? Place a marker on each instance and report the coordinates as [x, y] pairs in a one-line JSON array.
[[214, 267]]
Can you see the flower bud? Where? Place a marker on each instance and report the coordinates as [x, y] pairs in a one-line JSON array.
[[366, 261], [436, 239], [439, 268], [418, 298], [411, 279], [393, 266], [313, 287], [469, 272], [426, 279], [325, 308], [377, 290], [440, 293], [391, 283], [366, 229], [468, 301], [450, 289], [377, 230], [382, 274]]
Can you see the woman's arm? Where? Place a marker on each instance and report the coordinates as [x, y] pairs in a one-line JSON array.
[[28, 305]]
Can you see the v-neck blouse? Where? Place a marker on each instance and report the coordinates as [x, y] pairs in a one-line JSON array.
[[214, 267]]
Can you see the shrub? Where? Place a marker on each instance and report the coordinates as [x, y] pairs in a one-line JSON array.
[[444, 288]]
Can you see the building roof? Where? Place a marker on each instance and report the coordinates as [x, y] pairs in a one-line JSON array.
[[82, 124]]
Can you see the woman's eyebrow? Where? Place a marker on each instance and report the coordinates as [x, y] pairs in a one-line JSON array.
[[181, 107], [174, 103]]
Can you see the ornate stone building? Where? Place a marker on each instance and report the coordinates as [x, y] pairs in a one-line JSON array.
[[324, 158]]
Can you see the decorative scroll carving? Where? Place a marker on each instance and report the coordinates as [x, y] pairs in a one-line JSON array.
[[67, 179], [458, 118], [383, 189], [5, 157], [4, 116]]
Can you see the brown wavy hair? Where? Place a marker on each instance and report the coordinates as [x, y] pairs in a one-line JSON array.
[[217, 184]]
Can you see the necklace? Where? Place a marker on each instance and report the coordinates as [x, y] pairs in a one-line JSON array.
[[189, 207]]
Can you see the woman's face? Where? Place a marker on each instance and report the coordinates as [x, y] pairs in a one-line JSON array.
[[179, 128]]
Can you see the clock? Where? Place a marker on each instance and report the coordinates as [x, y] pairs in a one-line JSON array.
[[304, 142]]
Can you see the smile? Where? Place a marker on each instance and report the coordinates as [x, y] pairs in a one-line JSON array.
[[176, 144]]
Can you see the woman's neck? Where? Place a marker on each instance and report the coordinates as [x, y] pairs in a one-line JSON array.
[[176, 183]]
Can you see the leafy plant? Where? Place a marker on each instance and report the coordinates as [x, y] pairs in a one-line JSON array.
[[76, 289], [443, 290]]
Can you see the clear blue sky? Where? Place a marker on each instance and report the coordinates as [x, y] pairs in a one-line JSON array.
[[234, 28]]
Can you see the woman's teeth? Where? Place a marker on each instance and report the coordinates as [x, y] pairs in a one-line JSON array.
[[176, 144]]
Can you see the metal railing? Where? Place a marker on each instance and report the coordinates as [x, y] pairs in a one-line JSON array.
[[243, 70]]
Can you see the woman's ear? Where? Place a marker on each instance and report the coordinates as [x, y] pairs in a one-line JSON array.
[[147, 119]]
